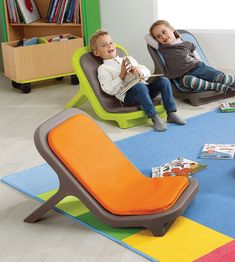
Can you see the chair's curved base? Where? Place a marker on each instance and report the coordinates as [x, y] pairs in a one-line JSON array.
[[157, 223], [124, 120], [200, 98]]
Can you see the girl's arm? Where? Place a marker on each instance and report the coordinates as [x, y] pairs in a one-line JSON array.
[[151, 41], [197, 55]]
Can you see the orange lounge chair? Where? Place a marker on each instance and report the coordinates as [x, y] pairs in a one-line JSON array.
[[90, 167]]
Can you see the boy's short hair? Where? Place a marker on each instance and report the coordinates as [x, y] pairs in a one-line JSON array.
[[95, 36]]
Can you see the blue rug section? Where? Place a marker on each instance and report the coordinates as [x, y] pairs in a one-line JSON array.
[[33, 181], [213, 206]]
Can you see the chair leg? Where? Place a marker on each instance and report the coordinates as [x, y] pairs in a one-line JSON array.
[[159, 230], [49, 204], [77, 100]]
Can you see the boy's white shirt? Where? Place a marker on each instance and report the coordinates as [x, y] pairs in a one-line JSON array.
[[154, 43], [108, 75]]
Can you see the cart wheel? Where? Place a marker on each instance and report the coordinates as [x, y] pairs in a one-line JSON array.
[[26, 88], [16, 85], [74, 80], [59, 78]]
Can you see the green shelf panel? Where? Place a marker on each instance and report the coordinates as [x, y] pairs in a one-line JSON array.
[[91, 18], [3, 22]]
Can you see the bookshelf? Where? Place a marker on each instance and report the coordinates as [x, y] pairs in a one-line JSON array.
[[89, 22], [89, 14]]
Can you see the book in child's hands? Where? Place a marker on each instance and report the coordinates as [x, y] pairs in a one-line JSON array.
[[132, 79], [129, 83], [178, 167], [227, 107], [218, 151]]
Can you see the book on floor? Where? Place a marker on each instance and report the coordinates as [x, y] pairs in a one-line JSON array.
[[227, 107], [178, 167], [218, 151]]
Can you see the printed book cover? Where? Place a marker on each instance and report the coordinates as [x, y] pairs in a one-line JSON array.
[[29, 10], [227, 107], [178, 167], [218, 151]]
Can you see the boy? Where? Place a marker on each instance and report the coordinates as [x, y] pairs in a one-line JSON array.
[[113, 73]]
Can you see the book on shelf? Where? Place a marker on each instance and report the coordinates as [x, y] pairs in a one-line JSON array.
[[227, 107], [52, 6], [178, 167], [69, 12], [14, 13], [28, 10], [218, 151], [76, 13]]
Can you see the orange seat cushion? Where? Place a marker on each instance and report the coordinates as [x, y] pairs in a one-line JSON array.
[[107, 174]]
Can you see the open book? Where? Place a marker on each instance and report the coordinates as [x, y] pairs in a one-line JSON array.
[[218, 151], [227, 107], [178, 167], [133, 80]]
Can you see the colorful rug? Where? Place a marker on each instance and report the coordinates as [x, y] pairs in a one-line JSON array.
[[205, 232]]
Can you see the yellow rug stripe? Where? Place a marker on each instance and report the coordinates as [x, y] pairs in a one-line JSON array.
[[185, 241]]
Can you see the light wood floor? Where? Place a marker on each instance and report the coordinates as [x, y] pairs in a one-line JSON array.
[[56, 238]]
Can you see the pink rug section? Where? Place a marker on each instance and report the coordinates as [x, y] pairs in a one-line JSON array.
[[224, 253]]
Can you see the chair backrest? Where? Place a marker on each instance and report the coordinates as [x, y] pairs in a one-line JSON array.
[[187, 36], [89, 64]]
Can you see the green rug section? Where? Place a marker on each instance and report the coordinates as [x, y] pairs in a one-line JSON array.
[[70, 204], [74, 207], [118, 233]]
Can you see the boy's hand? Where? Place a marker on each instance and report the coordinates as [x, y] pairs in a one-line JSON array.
[[136, 71], [124, 70]]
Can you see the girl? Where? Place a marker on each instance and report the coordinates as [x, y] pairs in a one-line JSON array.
[[183, 63]]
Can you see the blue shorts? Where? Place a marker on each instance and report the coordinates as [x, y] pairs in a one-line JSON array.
[[204, 72]]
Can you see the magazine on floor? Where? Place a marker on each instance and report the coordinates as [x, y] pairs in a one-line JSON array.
[[218, 151], [227, 107], [178, 167]]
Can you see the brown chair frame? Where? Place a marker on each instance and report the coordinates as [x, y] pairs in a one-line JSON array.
[[69, 185]]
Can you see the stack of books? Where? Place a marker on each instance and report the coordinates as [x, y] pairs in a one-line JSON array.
[[63, 11], [22, 11], [227, 107]]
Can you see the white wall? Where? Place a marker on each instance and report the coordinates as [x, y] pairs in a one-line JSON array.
[[218, 45], [128, 21]]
